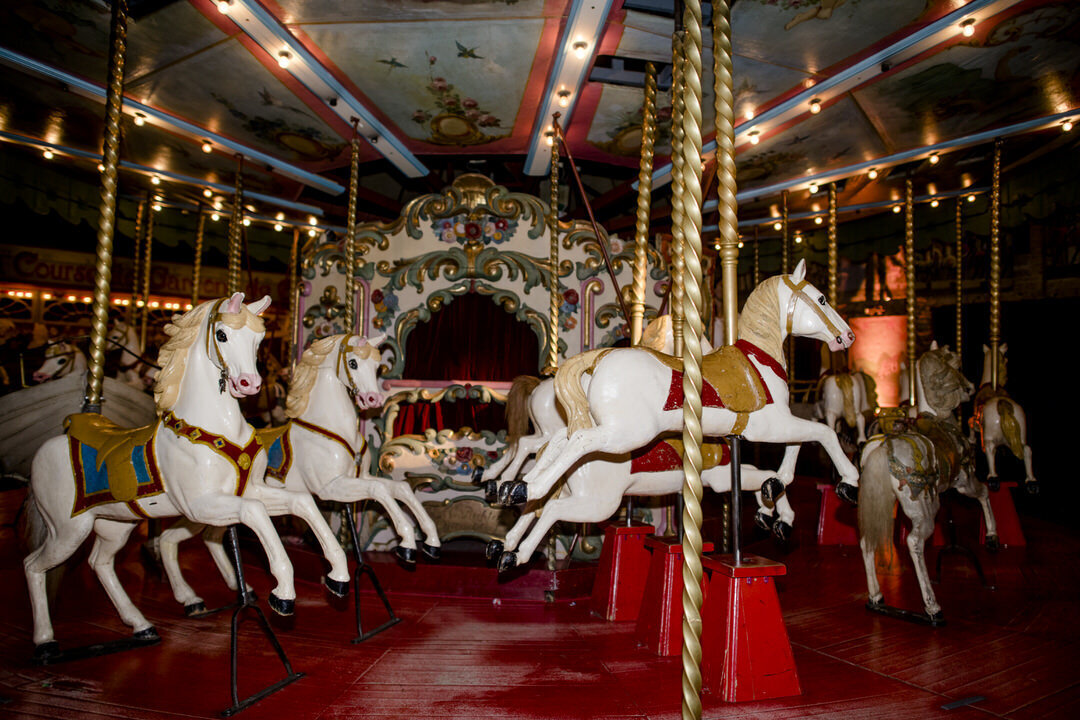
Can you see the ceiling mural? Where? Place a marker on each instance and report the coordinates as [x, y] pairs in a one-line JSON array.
[[349, 11]]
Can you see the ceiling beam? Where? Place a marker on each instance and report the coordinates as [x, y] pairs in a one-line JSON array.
[[573, 55], [283, 48], [173, 123]]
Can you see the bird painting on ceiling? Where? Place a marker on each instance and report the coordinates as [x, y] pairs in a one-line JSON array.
[[464, 52], [392, 63]]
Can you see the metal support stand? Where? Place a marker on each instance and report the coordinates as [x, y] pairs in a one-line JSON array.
[[953, 547], [362, 567], [736, 498], [246, 600]]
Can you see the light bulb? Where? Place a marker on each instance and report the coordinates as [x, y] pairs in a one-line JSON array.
[[777, 226], [872, 174], [279, 216], [748, 114], [818, 220], [224, 6], [312, 220], [140, 119], [155, 180], [755, 137], [740, 244], [798, 239], [934, 203], [549, 138], [971, 198], [47, 154], [277, 226], [967, 28], [207, 146], [1067, 125], [247, 222], [284, 58], [207, 193], [581, 49], [935, 158], [564, 98], [896, 209], [813, 188], [157, 207], [101, 167], [815, 106], [215, 217], [312, 232]]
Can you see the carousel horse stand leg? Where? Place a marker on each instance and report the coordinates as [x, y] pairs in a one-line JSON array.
[[624, 567], [364, 568], [906, 615], [245, 601], [953, 547]]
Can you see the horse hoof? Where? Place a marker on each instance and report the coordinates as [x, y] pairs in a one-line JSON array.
[[477, 475], [518, 494], [46, 652], [434, 552], [507, 561], [993, 483], [405, 555], [285, 608], [196, 609], [936, 619], [1032, 487], [494, 549], [148, 635], [771, 490], [763, 521], [848, 493], [491, 491], [337, 588], [992, 543], [782, 530]]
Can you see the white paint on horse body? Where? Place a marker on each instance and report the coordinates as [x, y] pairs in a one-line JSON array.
[[831, 404], [989, 421], [629, 388], [200, 483], [61, 359]]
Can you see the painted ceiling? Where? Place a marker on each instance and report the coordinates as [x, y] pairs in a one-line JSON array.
[[454, 80]]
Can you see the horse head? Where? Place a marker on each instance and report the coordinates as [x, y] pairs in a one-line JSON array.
[[944, 387], [234, 333], [809, 313], [358, 369], [60, 360]]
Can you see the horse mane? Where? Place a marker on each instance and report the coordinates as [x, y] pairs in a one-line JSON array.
[[182, 332], [759, 321], [655, 334], [307, 370]]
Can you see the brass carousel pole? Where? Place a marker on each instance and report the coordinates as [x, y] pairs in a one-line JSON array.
[[959, 278], [350, 234], [107, 214], [757, 255], [555, 297], [692, 314], [196, 270], [678, 184], [641, 229], [995, 266], [136, 264], [909, 269], [294, 326], [785, 268], [235, 228], [833, 259], [144, 317]]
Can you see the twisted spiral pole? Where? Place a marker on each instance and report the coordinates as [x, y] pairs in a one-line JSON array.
[[555, 297], [959, 278], [833, 259], [995, 266], [147, 258], [641, 229], [350, 234], [294, 291], [236, 228], [136, 263], [757, 255], [114, 98], [196, 270], [692, 314], [785, 261], [678, 187], [909, 271]]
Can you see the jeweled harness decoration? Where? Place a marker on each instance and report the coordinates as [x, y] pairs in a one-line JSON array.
[[240, 457]]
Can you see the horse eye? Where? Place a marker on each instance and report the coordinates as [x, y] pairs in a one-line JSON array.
[[352, 364], [221, 336], [821, 300], [61, 361]]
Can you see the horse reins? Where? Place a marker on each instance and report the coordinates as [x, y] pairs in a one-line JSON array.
[[797, 294], [342, 352], [217, 358]]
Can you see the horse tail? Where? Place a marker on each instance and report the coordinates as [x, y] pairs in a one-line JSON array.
[[1010, 428], [569, 393], [875, 495], [517, 406], [846, 385]]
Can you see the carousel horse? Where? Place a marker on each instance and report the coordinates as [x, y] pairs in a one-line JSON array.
[[61, 358], [196, 461], [319, 452], [126, 338], [595, 489], [1000, 422], [912, 462], [850, 396], [636, 394]]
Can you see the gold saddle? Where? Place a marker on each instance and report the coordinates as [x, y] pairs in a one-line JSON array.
[[114, 446], [734, 380]]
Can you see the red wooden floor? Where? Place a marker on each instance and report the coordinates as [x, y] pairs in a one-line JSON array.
[[455, 658]]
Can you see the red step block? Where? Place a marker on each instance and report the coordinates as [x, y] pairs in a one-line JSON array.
[[745, 651], [624, 568], [659, 625], [838, 521], [1008, 522]]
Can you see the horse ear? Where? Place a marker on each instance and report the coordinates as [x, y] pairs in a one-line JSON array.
[[233, 305], [800, 271], [986, 349], [1004, 348], [933, 345], [376, 340], [259, 306]]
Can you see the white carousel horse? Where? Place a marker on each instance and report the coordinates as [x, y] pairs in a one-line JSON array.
[[847, 395], [1001, 422], [61, 359], [126, 338], [320, 452], [915, 461], [595, 489], [196, 461], [636, 394]]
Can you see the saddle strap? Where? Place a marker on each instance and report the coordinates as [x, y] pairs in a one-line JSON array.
[[330, 435]]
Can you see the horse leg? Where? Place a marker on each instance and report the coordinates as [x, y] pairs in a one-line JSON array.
[[873, 588], [990, 447], [539, 482], [1030, 482], [404, 493], [786, 471], [518, 531], [168, 544], [349, 489], [527, 446], [567, 508], [61, 544], [922, 513], [112, 535], [968, 486], [860, 425], [222, 510], [279, 501], [849, 476], [495, 469]]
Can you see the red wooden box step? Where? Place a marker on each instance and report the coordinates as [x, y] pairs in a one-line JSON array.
[[659, 625], [624, 568]]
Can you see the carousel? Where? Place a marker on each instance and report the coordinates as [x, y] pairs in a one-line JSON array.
[[434, 319]]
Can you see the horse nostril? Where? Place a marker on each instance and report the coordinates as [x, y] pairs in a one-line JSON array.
[[244, 383]]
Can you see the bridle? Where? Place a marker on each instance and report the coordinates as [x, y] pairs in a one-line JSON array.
[[216, 357], [798, 294], [343, 348]]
